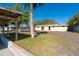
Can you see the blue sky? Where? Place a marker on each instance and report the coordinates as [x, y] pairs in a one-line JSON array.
[[60, 12]]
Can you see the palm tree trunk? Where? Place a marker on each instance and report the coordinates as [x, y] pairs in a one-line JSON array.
[[31, 21]]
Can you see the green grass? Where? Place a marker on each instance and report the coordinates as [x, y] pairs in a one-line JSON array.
[[43, 44]]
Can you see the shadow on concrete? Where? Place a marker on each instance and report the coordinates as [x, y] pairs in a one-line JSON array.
[[3, 42], [2, 46]]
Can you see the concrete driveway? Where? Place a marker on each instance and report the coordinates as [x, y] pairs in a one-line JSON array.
[[68, 44]]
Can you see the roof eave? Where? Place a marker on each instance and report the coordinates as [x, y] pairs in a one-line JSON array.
[[11, 10]]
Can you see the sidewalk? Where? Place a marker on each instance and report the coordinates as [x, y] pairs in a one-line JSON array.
[[18, 51]]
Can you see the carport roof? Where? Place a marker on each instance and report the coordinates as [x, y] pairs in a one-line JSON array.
[[8, 14]]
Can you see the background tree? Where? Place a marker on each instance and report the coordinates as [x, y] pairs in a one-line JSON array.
[[15, 6], [45, 22], [74, 21], [25, 16]]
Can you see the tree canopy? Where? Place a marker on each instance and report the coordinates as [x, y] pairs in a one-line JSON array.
[[25, 16], [24, 7], [45, 22], [74, 20]]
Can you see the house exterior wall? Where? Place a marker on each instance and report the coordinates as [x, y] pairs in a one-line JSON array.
[[38, 28], [46, 28], [58, 28]]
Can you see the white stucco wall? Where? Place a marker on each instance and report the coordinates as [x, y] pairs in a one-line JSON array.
[[38, 28], [58, 28], [46, 28]]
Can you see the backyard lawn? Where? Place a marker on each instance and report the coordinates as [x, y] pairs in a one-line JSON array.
[[40, 45], [50, 44]]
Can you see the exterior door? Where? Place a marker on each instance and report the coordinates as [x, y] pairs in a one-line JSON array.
[[42, 27], [49, 28]]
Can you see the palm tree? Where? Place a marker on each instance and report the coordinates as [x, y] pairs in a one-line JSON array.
[[32, 6], [31, 21]]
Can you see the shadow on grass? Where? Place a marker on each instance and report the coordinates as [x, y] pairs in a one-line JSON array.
[[38, 33], [20, 36]]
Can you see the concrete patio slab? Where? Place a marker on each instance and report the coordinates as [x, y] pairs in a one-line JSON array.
[[5, 51]]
